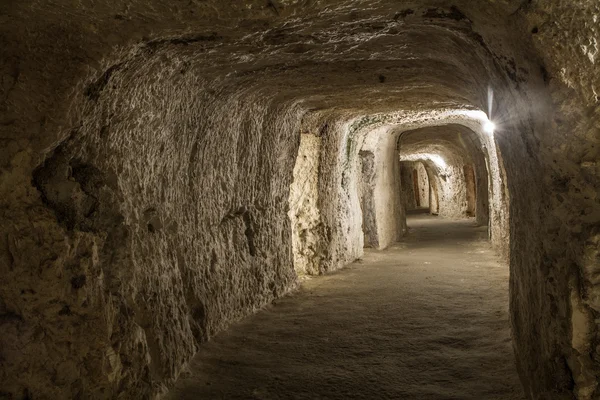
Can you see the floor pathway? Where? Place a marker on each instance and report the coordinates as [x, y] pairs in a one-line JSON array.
[[426, 319]]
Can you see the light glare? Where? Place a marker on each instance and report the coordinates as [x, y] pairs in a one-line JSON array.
[[489, 127]]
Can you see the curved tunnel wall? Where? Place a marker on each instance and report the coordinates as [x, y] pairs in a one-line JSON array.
[[446, 150], [180, 230], [144, 208]]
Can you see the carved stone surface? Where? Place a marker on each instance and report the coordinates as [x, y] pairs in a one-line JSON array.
[[148, 149]]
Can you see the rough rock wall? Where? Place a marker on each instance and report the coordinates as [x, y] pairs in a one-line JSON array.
[[115, 262], [157, 235], [339, 199], [434, 198], [329, 233], [349, 61], [384, 188], [367, 187], [566, 35], [307, 235], [452, 191], [482, 176]]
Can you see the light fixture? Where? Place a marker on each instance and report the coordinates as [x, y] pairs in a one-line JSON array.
[[489, 126]]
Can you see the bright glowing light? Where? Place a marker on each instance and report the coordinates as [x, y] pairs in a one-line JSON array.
[[435, 158], [488, 126]]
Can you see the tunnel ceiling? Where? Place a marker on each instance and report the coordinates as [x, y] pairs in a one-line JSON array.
[[453, 140], [347, 57], [331, 55]]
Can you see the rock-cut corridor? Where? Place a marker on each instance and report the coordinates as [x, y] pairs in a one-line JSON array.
[[279, 198], [425, 319]]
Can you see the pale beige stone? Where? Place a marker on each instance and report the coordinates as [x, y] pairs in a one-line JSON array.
[[148, 150]]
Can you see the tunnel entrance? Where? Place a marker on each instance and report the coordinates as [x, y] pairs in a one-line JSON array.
[[443, 170], [458, 163]]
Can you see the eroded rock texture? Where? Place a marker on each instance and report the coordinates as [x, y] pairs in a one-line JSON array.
[[307, 235], [148, 150], [445, 154]]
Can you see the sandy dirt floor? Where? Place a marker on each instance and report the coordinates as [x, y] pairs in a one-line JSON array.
[[425, 319]]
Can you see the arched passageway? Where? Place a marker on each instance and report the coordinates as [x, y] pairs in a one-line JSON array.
[[433, 282], [426, 318], [152, 193], [461, 170]]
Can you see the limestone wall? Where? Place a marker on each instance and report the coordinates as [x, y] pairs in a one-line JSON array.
[[148, 150], [307, 239]]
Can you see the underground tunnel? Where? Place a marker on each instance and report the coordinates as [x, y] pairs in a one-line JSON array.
[[285, 198]]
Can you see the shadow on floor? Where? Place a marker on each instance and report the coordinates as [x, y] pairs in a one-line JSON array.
[[426, 319]]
